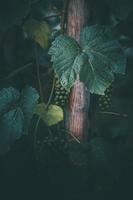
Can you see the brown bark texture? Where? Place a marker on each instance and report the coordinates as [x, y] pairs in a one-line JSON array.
[[77, 121]]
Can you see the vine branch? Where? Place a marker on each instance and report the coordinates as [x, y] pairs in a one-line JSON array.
[[113, 113], [16, 71]]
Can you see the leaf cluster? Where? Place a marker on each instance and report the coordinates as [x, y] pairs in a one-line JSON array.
[[16, 112], [96, 58]]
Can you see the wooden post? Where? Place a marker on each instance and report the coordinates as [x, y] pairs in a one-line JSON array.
[[77, 17], [77, 122]]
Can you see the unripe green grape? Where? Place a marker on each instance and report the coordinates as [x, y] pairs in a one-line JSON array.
[[62, 101], [57, 92], [105, 100], [56, 103], [60, 93], [65, 97], [60, 97], [63, 92], [62, 88], [57, 85]]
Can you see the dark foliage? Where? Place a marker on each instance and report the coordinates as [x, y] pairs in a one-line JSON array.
[[46, 162]]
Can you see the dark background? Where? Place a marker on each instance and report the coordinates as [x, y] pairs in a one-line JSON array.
[[101, 169]]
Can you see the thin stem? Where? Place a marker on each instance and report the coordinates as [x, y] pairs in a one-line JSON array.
[[72, 136], [38, 74], [56, 15], [16, 71], [63, 19], [51, 93], [50, 132], [40, 89], [51, 16], [35, 131], [113, 113]]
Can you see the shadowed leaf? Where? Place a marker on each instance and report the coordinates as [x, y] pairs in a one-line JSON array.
[[38, 31], [51, 115]]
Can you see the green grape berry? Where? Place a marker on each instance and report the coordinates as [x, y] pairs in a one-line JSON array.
[[104, 102], [60, 93]]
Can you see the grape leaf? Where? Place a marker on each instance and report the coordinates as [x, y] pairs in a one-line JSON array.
[[51, 115], [8, 97], [67, 59], [97, 40], [95, 76], [16, 111], [105, 56], [38, 31], [29, 100], [96, 61], [11, 125]]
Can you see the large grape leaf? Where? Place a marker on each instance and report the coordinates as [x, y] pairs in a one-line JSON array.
[[29, 100], [67, 59], [38, 31], [96, 77], [12, 126], [105, 57], [98, 58], [97, 40], [51, 115], [16, 111], [8, 98]]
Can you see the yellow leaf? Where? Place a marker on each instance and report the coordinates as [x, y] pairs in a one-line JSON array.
[[38, 31], [52, 115]]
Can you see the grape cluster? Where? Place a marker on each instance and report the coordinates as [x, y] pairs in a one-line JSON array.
[[55, 144], [60, 94], [104, 101], [61, 144]]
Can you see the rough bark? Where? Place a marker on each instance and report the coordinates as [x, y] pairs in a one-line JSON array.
[[77, 17], [77, 121]]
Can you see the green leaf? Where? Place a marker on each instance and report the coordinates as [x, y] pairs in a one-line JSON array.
[[95, 76], [12, 126], [38, 31], [8, 98], [51, 115], [97, 41], [28, 102], [96, 61], [105, 57], [16, 112], [67, 59]]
